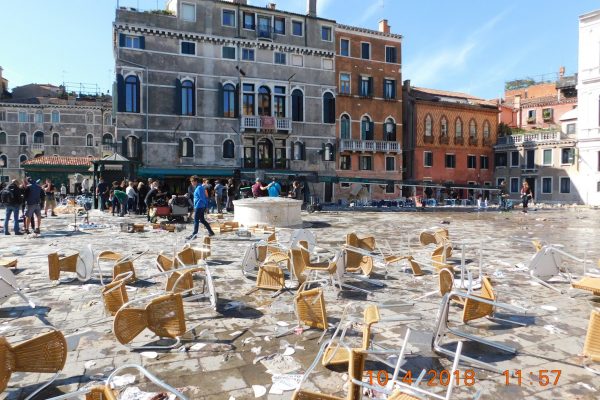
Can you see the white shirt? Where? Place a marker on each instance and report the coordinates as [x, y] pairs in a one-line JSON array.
[[130, 192]]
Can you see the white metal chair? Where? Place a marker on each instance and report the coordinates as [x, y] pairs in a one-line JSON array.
[[9, 287]]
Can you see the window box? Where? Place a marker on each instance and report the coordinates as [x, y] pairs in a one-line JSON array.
[[547, 114], [531, 120]]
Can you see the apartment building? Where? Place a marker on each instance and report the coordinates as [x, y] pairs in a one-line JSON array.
[[221, 89], [369, 112]]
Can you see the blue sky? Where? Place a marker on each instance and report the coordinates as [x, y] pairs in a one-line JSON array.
[[460, 45]]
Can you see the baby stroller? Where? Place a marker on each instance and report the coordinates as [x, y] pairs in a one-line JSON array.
[[179, 209]]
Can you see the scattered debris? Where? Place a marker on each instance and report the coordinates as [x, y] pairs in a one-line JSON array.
[[259, 390], [198, 347], [149, 354], [89, 364], [285, 383], [122, 380]]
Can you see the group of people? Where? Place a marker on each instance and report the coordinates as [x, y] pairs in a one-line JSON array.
[[273, 189], [219, 197], [27, 198], [126, 196]]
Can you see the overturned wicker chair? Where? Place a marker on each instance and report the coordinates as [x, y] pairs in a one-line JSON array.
[[591, 347]]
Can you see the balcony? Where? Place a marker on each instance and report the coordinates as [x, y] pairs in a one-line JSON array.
[[459, 140], [369, 146], [473, 141], [444, 140], [266, 123], [528, 170], [428, 139], [265, 163], [537, 137], [37, 148]]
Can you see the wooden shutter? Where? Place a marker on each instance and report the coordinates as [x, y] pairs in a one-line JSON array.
[[178, 95], [371, 86], [236, 101], [121, 40], [371, 131], [394, 90], [142, 42], [120, 93], [138, 89], [221, 101]]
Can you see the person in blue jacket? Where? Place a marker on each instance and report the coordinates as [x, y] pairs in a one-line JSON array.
[[200, 204]]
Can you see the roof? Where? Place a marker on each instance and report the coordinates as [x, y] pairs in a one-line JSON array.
[[60, 161], [454, 97], [546, 100], [368, 31], [569, 115]]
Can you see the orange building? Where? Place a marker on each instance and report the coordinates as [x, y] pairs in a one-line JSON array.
[[369, 113], [448, 140]]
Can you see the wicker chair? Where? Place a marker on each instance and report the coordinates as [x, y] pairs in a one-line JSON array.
[[591, 347], [435, 236], [114, 294], [164, 263], [589, 283], [270, 277], [190, 256], [357, 262], [365, 243], [46, 353], [58, 264]]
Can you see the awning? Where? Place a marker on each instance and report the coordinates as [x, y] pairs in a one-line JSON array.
[[185, 172]]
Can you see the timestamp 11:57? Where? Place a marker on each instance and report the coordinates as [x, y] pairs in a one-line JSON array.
[[542, 377]]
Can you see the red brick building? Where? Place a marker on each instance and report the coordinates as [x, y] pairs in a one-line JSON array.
[[448, 139], [369, 113]]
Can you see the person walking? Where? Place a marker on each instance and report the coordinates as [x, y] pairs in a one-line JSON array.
[[12, 197], [50, 203], [200, 204], [219, 195], [526, 195], [33, 198]]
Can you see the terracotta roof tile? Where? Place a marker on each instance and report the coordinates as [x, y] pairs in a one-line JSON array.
[[456, 95], [60, 160]]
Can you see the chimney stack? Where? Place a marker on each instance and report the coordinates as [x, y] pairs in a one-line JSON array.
[[561, 72], [383, 26], [271, 6], [311, 8]]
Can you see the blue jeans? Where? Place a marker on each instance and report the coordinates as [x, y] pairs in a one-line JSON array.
[[199, 218], [12, 210]]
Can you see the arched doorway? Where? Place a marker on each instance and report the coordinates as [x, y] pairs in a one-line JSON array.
[[264, 148]]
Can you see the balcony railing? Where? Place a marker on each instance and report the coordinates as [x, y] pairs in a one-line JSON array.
[[428, 139], [369, 145], [108, 149], [528, 169], [459, 140], [265, 163], [444, 140], [538, 137], [37, 147], [473, 141], [266, 123]]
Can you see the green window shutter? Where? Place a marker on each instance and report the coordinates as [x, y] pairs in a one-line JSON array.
[[142, 42], [236, 101], [121, 40], [221, 100], [371, 86], [120, 93]]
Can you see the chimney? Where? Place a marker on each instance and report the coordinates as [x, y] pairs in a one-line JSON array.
[[311, 8], [383, 26], [561, 72], [271, 6]]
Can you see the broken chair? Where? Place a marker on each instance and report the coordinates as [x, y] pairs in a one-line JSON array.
[[9, 286], [591, 347]]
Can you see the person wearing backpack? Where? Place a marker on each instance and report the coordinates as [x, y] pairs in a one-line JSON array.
[[12, 197]]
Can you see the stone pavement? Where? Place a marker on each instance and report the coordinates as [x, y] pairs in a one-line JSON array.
[[242, 330]]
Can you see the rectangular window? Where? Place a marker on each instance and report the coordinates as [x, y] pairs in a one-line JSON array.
[[132, 42], [565, 185], [450, 161], [547, 157], [248, 99], [390, 188], [389, 89], [188, 12], [427, 159], [249, 21], [279, 26], [514, 185], [567, 156], [547, 114], [326, 33], [264, 27], [365, 51], [229, 18], [248, 54], [571, 129], [23, 116], [472, 162], [229, 52], [39, 118], [345, 184], [390, 163], [366, 86], [297, 60], [297, 28], [55, 117], [345, 47], [484, 162], [280, 58], [345, 84], [366, 163], [390, 55], [500, 159], [514, 158], [499, 181], [2, 115], [188, 48], [279, 102], [547, 185], [531, 116], [345, 163]]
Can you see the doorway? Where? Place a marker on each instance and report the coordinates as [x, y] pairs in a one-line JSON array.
[[531, 182]]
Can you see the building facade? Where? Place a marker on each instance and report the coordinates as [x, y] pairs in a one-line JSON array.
[[53, 127], [369, 113], [448, 139], [222, 89], [587, 179]]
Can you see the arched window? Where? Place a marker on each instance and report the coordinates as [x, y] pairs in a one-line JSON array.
[[297, 105], [89, 140], [3, 161], [186, 147], [55, 139], [2, 137], [345, 127], [472, 129], [229, 101], [428, 125], [486, 129], [107, 119], [366, 128], [187, 97], [107, 139], [458, 128], [228, 149], [298, 151], [264, 101], [328, 154], [55, 117], [22, 139], [132, 94], [38, 137], [444, 127], [328, 108], [89, 117], [22, 159], [39, 117], [389, 130]]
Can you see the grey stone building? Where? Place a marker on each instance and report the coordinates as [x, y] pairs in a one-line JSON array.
[[53, 126], [223, 89]]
